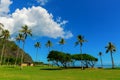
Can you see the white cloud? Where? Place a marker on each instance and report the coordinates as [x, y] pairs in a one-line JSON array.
[[38, 19], [62, 23], [42, 2], [4, 7]]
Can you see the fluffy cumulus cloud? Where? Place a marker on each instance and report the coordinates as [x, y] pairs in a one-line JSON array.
[[4, 6], [42, 2], [38, 19]]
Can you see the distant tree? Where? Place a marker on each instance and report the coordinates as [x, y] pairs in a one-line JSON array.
[[111, 48], [5, 36], [49, 45], [100, 54], [37, 46], [80, 41], [18, 39], [62, 42], [25, 31]]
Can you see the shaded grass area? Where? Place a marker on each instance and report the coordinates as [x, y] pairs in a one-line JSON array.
[[54, 73]]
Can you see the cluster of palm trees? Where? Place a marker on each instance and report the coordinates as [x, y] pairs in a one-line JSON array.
[[25, 32], [22, 36], [109, 48], [80, 40]]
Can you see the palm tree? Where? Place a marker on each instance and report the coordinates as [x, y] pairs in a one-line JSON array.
[[62, 42], [111, 48], [37, 45], [18, 39], [49, 45], [100, 54], [25, 31], [80, 41], [5, 35]]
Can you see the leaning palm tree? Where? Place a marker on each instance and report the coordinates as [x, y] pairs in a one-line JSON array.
[[37, 46], [80, 41], [111, 48], [49, 45], [5, 36], [100, 54], [18, 39], [25, 31], [62, 42]]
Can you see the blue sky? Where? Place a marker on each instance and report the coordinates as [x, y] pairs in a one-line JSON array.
[[98, 21]]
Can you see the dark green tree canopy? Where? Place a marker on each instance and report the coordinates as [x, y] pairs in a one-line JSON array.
[[84, 57], [59, 57]]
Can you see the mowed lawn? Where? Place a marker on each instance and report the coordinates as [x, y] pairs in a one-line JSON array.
[[38, 73]]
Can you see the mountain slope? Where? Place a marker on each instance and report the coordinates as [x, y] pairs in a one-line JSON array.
[[10, 53]]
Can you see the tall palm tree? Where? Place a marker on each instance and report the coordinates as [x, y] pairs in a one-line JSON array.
[[111, 48], [18, 39], [49, 45], [100, 54], [25, 31], [37, 45], [5, 36], [62, 42], [80, 41]]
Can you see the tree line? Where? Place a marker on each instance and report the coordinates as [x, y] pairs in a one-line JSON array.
[[67, 60], [25, 32]]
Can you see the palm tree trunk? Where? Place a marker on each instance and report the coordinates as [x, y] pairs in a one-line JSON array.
[[48, 49], [22, 55], [112, 60], [4, 57], [2, 53], [62, 48], [101, 61], [81, 56], [17, 56], [37, 55], [48, 53], [8, 61]]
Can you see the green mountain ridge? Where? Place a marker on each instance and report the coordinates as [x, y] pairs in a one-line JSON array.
[[10, 53]]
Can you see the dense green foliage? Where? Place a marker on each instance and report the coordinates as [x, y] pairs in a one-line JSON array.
[[64, 59], [59, 57], [87, 60]]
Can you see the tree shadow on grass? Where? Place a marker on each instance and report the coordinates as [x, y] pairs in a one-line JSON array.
[[117, 68], [51, 69]]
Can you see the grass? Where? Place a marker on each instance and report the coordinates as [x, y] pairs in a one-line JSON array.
[[45, 73]]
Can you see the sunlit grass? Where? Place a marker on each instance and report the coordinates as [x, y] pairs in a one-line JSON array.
[[49, 73]]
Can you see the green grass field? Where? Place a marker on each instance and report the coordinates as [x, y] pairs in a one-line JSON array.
[[38, 73]]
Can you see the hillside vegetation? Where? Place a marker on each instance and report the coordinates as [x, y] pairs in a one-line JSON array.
[[10, 53]]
